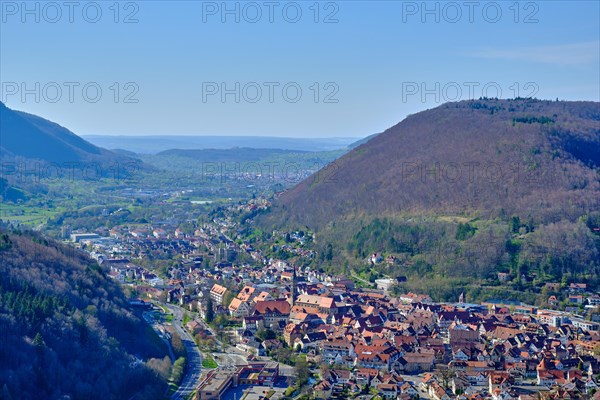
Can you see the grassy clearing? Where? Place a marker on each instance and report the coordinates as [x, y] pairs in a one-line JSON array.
[[209, 363]]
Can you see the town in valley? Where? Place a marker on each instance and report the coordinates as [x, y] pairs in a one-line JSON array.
[[265, 327]]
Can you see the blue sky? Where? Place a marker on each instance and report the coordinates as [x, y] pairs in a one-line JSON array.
[[361, 66]]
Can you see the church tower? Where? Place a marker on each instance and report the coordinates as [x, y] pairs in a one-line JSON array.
[[292, 298]]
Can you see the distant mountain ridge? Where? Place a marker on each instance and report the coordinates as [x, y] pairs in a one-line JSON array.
[[30, 137], [159, 143], [237, 154]]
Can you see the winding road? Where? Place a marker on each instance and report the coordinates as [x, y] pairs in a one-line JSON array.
[[193, 359]]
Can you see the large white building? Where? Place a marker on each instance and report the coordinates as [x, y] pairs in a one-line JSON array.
[[217, 293]]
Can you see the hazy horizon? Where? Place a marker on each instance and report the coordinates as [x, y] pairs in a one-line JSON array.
[[171, 135], [294, 69], [155, 144]]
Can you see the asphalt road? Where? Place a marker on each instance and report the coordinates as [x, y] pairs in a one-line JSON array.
[[193, 359]]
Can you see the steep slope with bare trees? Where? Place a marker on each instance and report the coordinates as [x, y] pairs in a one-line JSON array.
[[66, 329], [463, 191]]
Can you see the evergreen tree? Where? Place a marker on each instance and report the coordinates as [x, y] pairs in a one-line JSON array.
[[515, 224], [329, 253], [210, 312]]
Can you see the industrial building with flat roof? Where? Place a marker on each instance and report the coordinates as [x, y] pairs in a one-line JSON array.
[[219, 381], [78, 237], [215, 385]]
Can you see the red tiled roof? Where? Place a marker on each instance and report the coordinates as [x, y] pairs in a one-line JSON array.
[[272, 306]]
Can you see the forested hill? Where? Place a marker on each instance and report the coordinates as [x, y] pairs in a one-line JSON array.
[[65, 329], [481, 157], [30, 138], [459, 193]]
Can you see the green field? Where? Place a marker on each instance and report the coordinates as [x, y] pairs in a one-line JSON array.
[[209, 363]]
